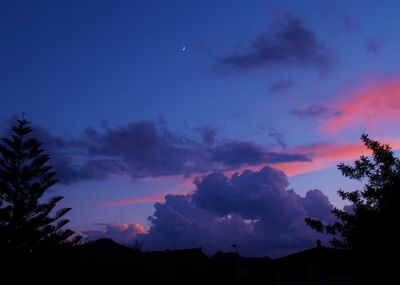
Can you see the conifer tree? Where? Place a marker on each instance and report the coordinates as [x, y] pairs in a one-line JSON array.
[[28, 220]]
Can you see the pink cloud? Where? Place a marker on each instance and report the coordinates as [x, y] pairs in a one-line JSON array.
[[366, 107], [139, 228], [323, 156], [135, 227], [122, 233], [296, 168]]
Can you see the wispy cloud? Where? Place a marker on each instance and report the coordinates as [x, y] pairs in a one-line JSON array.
[[281, 85], [327, 155], [315, 111], [366, 107]]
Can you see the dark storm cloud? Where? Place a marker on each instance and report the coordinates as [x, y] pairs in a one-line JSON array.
[[149, 149], [315, 111], [287, 42], [254, 210], [280, 86]]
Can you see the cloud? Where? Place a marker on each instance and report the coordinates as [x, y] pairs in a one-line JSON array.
[[145, 149], [315, 111], [287, 42], [367, 107], [374, 46], [280, 86], [320, 156], [315, 203], [134, 150], [70, 160], [149, 149], [254, 210], [121, 233], [234, 154], [324, 155], [278, 137]]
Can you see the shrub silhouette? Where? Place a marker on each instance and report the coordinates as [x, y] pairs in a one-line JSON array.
[[27, 224]]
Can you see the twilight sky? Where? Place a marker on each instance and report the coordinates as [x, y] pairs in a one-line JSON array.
[[238, 111]]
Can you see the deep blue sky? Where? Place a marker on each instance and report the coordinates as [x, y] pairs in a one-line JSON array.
[[137, 99]]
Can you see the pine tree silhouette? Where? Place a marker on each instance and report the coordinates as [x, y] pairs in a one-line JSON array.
[[27, 224]]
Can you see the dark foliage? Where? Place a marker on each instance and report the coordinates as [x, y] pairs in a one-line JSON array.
[[28, 223], [369, 227]]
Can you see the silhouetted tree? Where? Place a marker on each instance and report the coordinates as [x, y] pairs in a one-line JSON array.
[[27, 223], [137, 245], [369, 227]]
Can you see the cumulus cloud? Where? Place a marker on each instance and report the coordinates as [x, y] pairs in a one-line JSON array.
[[150, 149], [315, 203], [254, 210], [287, 42], [121, 233], [315, 111]]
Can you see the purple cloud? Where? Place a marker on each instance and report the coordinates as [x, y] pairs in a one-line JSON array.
[[315, 111], [150, 149], [235, 154], [316, 203], [253, 210], [280, 86], [288, 42]]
